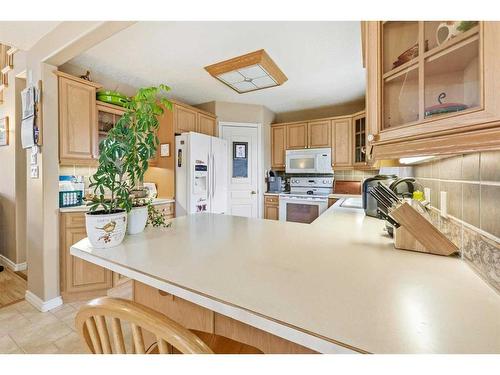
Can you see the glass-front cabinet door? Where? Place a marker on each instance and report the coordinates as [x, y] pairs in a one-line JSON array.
[[430, 70], [107, 117], [360, 139]]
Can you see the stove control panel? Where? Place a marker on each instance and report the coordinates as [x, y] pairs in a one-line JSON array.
[[311, 181]]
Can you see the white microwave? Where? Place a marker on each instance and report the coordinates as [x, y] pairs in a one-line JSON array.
[[312, 160]]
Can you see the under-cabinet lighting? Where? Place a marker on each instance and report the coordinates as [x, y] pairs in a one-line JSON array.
[[250, 72], [415, 159]]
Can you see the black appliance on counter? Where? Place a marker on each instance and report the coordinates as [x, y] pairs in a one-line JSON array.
[[369, 203]]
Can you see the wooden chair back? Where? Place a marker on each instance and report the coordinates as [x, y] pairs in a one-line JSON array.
[[93, 328]]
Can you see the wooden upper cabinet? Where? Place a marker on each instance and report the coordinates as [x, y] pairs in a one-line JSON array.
[[319, 134], [206, 124], [427, 96], [341, 134], [296, 137], [185, 119], [77, 121], [278, 146]]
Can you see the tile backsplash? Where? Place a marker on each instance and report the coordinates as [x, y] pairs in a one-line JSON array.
[[472, 183], [354, 175], [78, 170]]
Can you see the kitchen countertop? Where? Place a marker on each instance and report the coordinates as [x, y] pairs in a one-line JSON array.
[[336, 285], [334, 195], [85, 208]]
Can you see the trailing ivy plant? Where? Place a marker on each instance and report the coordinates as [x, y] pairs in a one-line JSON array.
[[156, 217], [125, 153]]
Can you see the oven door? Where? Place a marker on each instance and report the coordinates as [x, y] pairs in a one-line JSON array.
[[301, 210]]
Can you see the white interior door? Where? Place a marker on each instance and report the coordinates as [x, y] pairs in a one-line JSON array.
[[242, 145]]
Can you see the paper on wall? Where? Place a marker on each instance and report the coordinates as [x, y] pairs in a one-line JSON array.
[[27, 132]]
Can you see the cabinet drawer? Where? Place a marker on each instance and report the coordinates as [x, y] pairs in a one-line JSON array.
[[272, 199], [167, 208], [74, 219]]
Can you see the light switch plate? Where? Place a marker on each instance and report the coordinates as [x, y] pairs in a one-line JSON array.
[[165, 149], [444, 204]]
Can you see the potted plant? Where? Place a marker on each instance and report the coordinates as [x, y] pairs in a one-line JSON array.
[[123, 159]]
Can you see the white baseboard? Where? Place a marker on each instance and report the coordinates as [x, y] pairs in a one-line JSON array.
[[13, 266], [41, 305]]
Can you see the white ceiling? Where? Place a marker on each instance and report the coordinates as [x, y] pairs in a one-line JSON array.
[[322, 60], [24, 34]]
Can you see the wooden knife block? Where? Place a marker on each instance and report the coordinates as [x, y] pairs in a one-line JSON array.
[[416, 233]]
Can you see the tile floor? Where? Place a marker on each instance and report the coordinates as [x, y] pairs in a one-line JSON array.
[[24, 329]]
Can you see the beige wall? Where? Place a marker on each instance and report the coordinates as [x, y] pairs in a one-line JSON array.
[[13, 167], [321, 112]]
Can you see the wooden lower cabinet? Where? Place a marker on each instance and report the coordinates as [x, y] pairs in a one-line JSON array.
[[331, 201], [168, 209], [271, 207], [79, 279], [193, 316]]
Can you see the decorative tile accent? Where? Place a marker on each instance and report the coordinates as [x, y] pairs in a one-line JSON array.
[[452, 230], [482, 254]]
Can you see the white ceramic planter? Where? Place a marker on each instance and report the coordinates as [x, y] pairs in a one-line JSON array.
[[137, 219], [106, 230]]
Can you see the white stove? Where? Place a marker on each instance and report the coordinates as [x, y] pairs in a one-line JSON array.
[[308, 198]]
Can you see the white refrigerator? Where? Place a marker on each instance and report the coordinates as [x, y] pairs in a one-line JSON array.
[[201, 174]]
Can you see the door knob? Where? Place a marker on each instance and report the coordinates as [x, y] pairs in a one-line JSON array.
[[253, 192]]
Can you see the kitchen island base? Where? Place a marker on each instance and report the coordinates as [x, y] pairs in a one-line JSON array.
[[195, 317]]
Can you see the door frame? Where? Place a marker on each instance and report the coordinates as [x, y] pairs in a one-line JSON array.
[[260, 159]]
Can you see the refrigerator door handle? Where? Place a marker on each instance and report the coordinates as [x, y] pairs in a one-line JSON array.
[[209, 167], [214, 176]]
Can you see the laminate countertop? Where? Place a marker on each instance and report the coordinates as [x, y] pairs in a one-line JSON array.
[[336, 285], [85, 208]]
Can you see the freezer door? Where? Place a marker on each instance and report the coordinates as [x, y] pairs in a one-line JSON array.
[[219, 176], [200, 170], [193, 170], [181, 175]]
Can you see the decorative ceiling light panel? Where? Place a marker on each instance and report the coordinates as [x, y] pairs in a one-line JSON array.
[[250, 72]]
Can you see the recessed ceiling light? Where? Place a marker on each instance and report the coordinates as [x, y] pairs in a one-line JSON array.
[[250, 72]]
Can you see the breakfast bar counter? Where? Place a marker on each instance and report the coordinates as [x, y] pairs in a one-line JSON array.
[[334, 286]]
